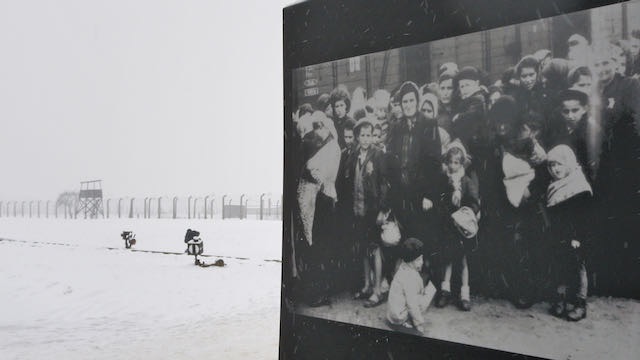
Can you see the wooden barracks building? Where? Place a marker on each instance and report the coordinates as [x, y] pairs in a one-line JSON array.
[[493, 50]]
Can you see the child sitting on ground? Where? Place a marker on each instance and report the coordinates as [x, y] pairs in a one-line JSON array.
[[408, 297], [568, 202]]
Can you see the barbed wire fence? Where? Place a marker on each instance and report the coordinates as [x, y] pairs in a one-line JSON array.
[[209, 206]]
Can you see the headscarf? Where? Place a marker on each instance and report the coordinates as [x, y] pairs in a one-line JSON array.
[[573, 184], [431, 99]]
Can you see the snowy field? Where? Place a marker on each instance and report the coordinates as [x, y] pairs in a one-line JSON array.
[[67, 295]]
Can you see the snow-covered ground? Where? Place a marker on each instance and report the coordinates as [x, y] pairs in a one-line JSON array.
[[66, 295]]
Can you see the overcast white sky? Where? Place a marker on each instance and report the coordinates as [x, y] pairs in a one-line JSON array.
[[154, 97]]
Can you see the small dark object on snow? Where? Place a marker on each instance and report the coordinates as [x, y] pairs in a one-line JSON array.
[[194, 244], [218, 262], [129, 238]]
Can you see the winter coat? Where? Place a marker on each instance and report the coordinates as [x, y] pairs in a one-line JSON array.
[[374, 181], [417, 178], [470, 121], [571, 220], [620, 165], [470, 194]]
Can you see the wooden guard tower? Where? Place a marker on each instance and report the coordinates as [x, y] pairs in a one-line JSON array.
[[90, 199]]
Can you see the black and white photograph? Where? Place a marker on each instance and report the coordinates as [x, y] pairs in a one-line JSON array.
[[482, 189]]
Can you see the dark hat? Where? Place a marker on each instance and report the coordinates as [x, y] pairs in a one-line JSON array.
[[408, 87], [411, 249], [468, 73], [446, 76], [571, 94]]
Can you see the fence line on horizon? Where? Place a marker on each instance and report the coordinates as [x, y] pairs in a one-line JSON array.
[[260, 207]]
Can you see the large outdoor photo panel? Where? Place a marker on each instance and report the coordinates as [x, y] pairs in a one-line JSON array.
[[480, 189]]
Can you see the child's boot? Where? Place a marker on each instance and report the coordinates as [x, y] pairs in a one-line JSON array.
[[579, 311], [445, 295], [465, 298]]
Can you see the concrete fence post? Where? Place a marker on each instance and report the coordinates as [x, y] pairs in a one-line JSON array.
[[223, 197], [131, 208], [241, 198], [175, 207]]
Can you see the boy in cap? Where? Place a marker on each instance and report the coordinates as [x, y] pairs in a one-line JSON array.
[[579, 130], [408, 297]]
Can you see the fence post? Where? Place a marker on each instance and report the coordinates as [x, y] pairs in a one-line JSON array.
[[175, 207], [223, 197], [38, 209], [261, 205], [144, 215], [0, 209], [189, 207], [108, 203], [119, 208], [47, 209], [159, 207], [241, 212], [212, 212], [206, 202], [22, 208], [131, 208], [195, 205]]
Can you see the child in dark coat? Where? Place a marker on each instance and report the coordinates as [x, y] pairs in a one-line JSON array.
[[568, 202], [460, 207]]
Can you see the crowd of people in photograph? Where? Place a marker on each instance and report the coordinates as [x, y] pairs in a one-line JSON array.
[[526, 189]]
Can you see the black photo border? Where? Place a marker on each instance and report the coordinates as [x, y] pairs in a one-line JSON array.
[[318, 31]]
